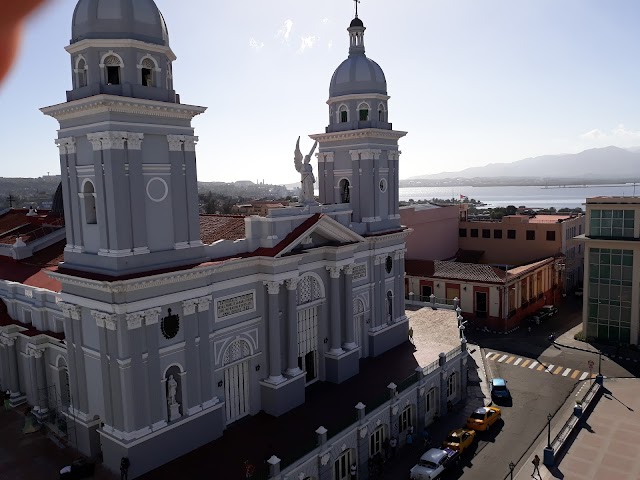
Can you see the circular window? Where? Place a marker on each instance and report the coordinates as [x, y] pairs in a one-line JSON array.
[[383, 185], [389, 264], [157, 189], [170, 325]]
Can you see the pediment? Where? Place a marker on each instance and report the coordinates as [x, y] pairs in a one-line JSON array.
[[325, 232]]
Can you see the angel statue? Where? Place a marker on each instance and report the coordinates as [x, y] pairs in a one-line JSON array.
[[306, 174]]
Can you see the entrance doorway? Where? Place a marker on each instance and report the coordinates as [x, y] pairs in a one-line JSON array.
[[236, 391], [481, 304], [308, 343]]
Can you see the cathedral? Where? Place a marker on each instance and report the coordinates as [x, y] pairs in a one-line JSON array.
[[157, 327]]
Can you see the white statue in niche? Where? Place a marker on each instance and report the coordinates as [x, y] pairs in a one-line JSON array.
[[306, 173], [174, 406]]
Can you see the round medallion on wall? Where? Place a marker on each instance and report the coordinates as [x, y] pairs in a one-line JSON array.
[[389, 264], [157, 189], [383, 185], [170, 325]]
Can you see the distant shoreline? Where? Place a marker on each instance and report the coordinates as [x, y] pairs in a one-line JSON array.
[[515, 183]]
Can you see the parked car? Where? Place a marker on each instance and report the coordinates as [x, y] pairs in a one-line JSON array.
[[459, 439], [534, 319], [78, 470], [433, 463], [499, 389], [482, 418], [549, 310]]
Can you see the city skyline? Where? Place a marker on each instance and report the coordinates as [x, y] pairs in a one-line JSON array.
[[472, 84]]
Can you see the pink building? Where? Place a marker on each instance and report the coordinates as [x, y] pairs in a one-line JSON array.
[[435, 231]]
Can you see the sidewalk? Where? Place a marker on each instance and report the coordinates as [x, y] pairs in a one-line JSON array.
[[605, 444]]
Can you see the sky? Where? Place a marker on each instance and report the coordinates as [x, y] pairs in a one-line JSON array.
[[472, 81]]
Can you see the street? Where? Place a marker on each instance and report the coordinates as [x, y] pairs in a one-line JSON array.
[[540, 377]]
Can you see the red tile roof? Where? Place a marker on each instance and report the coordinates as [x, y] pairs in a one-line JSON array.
[[549, 218], [221, 227], [15, 223], [32, 271]]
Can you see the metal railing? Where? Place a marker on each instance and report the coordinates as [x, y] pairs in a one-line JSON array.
[[432, 367], [454, 353]]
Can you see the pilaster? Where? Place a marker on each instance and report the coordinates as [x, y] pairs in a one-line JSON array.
[[275, 364], [192, 360], [178, 190], [348, 307], [335, 341], [292, 327]]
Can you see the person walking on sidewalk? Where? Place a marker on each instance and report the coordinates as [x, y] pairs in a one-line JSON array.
[[536, 466]]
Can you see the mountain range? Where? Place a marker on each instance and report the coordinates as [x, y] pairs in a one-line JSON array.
[[596, 163]]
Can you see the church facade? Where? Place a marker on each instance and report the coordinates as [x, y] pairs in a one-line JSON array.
[[169, 327]]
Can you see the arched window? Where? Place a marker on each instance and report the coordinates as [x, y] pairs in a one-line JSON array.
[[381, 113], [390, 305], [148, 70], [113, 66], [89, 196], [81, 73], [344, 114], [169, 76], [363, 110], [345, 191]]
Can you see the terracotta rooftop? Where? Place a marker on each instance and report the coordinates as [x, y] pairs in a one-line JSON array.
[[32, 271], [549, 218], [15, 223], [468, 271], [221, 227]]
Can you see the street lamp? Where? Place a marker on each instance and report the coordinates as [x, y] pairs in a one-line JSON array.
[[599, 378], [511, 467], [548, 451]]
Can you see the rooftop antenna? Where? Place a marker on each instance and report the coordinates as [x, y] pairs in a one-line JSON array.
[[356, 2]]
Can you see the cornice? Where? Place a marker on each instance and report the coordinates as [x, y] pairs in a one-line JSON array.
[[358, 96], [112, 103], [120, 43], [358, 134]]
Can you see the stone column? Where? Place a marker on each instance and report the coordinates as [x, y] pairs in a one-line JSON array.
[[350, 340], [204, 350], [75, 356], [292, 327], [101, 214], [14, 379], [140, 407], [4, 365], [335, 344], [191, 182], [104, 369], [382, 291], [178, 191], [191, 354], [155, 384], [400, 293], [67, 147], [33, 378], [137, 193], [275, 367], [116, 193]]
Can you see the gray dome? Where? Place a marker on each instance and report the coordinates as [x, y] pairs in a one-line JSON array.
[[358, 74], [115, 19]]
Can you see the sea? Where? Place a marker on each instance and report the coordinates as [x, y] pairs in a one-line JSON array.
[[571, 196]]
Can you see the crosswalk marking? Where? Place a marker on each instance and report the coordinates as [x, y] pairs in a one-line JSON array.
[[495, 355], [525, 363], [517, 361], [575, 373], [557, 370], [593, 375], [549, 368], [540, 368], [488, 355], [502, 358], [510, 360], [566, 372], [584, 375], [532, 366]]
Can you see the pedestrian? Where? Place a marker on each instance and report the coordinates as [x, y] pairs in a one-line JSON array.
[[411, 429], [536, 465], [353, 471], [393, 443], [529, 329], [411, 335], [409, 440], [426, 441], [124, 468]]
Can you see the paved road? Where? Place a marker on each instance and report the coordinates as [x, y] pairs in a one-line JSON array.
[[536, 392]]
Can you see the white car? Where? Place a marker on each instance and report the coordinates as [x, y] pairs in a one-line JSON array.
[[432, 463]]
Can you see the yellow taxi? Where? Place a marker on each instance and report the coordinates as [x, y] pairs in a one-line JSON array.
[[482, 418], [459, 439]]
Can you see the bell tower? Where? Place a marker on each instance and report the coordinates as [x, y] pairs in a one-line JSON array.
[[359, 156], [127, 147]]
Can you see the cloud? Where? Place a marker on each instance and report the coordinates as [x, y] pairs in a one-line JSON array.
[[330, 44], [257, 46], [593, 134], [619, 132], [285, 30], [306, 42], [324, 20]]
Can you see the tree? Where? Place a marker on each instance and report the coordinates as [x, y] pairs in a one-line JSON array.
[[511, 210]]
